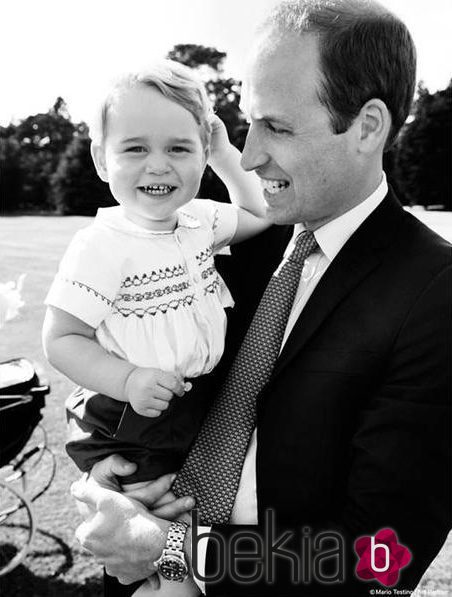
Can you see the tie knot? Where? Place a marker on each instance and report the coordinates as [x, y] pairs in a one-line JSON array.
[[305, 244]]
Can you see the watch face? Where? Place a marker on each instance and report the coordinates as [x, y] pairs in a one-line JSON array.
[[173, 568]]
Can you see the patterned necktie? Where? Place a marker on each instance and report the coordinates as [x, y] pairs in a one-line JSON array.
[[212, 470]]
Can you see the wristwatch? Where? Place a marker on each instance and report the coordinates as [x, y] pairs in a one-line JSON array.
[[171, 564]]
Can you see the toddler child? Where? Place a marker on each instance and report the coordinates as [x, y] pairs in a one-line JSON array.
[[137, 306]]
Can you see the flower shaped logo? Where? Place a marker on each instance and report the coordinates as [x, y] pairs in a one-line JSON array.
[[381, 557]]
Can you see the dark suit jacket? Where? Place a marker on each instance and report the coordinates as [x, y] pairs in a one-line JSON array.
[[353, 431]]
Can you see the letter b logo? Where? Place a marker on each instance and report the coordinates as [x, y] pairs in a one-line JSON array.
[[381, 557], [373, 548]]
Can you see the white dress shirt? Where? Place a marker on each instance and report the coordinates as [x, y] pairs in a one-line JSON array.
[[331, 238]]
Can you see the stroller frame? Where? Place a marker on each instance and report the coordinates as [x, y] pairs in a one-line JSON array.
[[21, 400]]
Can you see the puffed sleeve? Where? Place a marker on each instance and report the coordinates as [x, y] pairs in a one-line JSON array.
[[222, 218], [88, 278]]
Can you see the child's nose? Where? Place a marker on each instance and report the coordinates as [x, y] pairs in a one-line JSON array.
[[157, 164]]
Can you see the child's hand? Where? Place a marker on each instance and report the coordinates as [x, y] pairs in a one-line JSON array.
[[149, 391], [219, 143]]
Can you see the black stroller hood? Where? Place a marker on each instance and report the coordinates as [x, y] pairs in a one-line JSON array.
[[21, 400]]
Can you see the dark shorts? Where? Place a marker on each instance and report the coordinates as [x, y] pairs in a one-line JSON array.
[[100, 426]]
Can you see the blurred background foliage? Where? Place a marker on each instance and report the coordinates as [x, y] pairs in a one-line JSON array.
[[46, 164]]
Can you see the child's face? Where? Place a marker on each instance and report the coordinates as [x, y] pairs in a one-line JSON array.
[[152, 157]]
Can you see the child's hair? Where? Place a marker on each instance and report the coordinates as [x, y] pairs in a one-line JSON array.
[[175, 81]]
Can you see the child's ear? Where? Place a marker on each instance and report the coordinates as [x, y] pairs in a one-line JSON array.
[[98, 155]]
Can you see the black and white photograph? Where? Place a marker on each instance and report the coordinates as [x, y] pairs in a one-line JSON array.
[[226, 298]]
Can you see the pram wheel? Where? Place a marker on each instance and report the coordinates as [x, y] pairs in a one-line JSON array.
[[17, 525], [23, 444]]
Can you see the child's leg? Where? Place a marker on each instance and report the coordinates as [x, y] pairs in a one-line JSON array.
[[169, 588]]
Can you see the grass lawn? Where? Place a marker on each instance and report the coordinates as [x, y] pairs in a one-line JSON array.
[[55, 566]]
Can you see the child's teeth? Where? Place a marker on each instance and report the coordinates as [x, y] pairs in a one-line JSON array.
[[157, 189], [273, 186]]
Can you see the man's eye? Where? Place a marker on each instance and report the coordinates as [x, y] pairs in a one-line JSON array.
[[275, 129]]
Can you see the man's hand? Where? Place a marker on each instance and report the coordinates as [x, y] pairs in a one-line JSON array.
[[149, 390], [122, 535], [118, 530], [155, 495]]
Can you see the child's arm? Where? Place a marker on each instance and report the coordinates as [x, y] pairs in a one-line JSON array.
[[71, 347], [243, 187]]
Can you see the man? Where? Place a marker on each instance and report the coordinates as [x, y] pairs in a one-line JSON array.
[[353, 428]]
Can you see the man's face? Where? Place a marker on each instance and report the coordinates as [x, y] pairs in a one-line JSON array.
[[307, 171]]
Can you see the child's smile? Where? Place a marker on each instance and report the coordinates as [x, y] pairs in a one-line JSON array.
[[157, 189]]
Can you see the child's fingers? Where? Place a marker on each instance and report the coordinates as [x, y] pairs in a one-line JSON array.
[[179, 390], [173, 383], [162, 393], [150, 412], [152, 408], [215, 122]]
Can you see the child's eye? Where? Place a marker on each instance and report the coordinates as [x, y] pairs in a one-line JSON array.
[[136, 149], [179, 149]]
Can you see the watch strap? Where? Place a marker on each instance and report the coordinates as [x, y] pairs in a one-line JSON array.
[[175, 537]]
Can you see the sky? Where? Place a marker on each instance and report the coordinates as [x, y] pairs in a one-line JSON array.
[[66, 48]]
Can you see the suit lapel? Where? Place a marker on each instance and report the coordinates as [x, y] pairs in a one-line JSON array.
[[359, 256]]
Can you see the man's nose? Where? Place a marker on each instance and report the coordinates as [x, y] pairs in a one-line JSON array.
[[157, 163], [253, 154]]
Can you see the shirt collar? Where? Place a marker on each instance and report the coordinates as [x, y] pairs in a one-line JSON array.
[[187, 220], [331, 237], [113, 217]]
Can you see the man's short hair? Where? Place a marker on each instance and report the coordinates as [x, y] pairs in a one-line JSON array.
[[365, 52], [175, 81]]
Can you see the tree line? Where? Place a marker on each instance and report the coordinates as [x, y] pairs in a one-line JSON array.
[[46, 164]]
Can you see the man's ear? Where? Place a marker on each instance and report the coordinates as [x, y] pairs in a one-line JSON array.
[[374, 123], [98, 155]]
